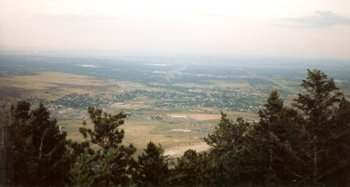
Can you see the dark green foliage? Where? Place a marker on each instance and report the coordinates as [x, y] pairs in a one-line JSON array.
[[319, 98], [325, 125], [81, 157], [339, 146], [192, 169], [106, 133], [272, 143], [226, 163], [33, 148], [228, 135], [272, 109], [153, 167], [111, 163]]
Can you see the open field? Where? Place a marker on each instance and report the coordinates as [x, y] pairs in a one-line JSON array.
[[176, 132], [139, 133], [53, 85]]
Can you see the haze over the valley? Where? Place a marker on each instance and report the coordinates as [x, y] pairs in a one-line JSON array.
[[313, 28]]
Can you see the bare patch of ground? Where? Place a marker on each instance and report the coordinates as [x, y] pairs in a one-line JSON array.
[[178, 151], [198, 117]]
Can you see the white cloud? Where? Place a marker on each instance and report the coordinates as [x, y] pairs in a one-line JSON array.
[[322, 19]]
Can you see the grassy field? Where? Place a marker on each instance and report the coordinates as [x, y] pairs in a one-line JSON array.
[[139, 133], [54, 85], [175, 134]]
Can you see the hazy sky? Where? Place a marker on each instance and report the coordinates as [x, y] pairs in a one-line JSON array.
[[303, 28]]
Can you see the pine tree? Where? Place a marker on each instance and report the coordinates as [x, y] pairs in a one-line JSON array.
[[272, 108], [82, 159], [153, 167], [33, 149], [227, 158], [338, 145], [112, 163], [272, 142], [318, 105], [228, 135], [193, 169]]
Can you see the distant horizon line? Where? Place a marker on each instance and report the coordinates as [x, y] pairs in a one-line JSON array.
[[115, 54]]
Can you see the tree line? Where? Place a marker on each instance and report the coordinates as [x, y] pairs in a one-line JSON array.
[[307, 143]]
